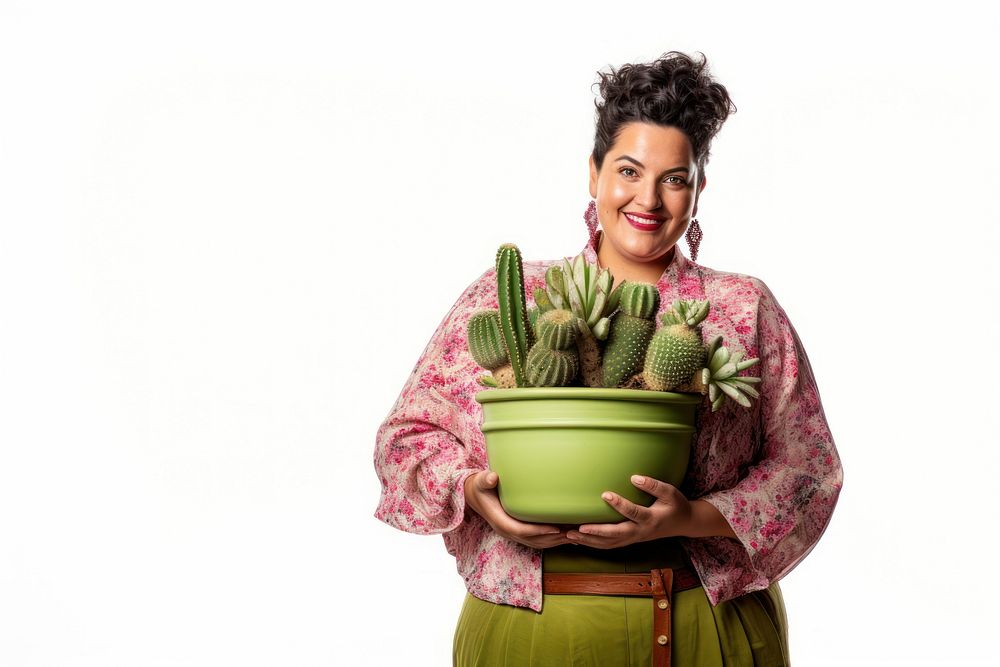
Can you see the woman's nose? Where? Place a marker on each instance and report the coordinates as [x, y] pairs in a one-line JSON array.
[[648, 196]]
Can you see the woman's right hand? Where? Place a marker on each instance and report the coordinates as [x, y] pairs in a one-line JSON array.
[[481, 496]]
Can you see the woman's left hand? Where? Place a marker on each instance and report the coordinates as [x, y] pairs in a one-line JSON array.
[[668, 516]]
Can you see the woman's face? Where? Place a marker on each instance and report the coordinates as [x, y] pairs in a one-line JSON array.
[[646, 194]]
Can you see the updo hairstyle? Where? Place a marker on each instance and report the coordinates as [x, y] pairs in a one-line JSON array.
[[673, 90]]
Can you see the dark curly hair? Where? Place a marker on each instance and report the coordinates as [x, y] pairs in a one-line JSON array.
[[673, 90]]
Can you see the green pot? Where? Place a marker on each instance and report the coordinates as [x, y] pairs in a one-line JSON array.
[[556, 449]]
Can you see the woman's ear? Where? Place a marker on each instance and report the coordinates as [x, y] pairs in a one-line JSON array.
[[593, 178], [697, 195]]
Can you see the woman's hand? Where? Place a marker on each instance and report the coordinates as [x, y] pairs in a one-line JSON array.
[[669, 516], [481, 496]]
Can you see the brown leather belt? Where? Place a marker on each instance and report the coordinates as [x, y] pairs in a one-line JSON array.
[[658, 584]]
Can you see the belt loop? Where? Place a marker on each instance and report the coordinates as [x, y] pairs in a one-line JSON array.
[[662, 582]]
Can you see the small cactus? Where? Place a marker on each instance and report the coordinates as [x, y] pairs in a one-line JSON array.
[[553, 361], [487, 346], [485, 340], [632, 328], [557, 330], [676, 351]]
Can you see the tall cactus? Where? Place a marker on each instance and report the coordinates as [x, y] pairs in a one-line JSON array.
[[517, 333]]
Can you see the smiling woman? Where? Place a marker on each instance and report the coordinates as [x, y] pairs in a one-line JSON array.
[[762, 483], [647, 192]]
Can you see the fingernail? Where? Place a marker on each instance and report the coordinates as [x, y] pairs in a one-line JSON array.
[[607, 496], [638, 479]]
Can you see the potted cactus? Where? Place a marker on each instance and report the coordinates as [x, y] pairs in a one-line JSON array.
[[586, 390]]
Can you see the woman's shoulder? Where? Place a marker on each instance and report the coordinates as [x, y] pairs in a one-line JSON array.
[[723, 277], [732, 284]]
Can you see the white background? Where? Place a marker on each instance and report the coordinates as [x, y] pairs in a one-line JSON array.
[[229, 229]]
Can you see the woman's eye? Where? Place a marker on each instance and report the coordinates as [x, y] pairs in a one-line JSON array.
[[628, 171], [677, 180]]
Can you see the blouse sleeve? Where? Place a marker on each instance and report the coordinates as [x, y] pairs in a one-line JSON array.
[[427, 445], [782, 506]]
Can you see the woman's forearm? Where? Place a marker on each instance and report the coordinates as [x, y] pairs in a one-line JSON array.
[[707, 521]]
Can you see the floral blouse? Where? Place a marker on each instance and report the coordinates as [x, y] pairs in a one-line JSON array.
[[772, 470]]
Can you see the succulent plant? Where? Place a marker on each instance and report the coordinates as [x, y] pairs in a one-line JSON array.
[[585, 290], [676, 351], [517, 333], [553, 360], [721, 379], [582, 288], [632, 328]]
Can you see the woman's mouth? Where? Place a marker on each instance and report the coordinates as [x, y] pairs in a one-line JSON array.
[[644, 224]]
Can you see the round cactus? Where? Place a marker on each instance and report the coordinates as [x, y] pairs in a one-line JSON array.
[[675, 354], [551, 368], [676, 351], [554, 361], [557, 329]]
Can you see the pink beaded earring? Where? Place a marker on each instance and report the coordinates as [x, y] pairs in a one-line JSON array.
[[693, 236], [590, 216]]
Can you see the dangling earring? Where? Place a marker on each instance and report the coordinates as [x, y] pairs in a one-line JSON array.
[[590, 217], [693, 236]]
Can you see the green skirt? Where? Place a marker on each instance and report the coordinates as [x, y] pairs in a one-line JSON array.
[[616, 630]]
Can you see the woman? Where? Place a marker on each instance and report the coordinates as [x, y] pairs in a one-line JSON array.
[[762, 482]]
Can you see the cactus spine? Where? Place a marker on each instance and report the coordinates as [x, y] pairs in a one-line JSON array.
[[553, 361], [514, 324], [632, 328]]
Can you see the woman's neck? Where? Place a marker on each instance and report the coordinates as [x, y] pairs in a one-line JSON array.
[[644, 273]]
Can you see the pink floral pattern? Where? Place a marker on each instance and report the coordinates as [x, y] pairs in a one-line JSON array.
[[772, 470]]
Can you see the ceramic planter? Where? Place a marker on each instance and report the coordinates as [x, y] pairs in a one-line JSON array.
[[557, 449]]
